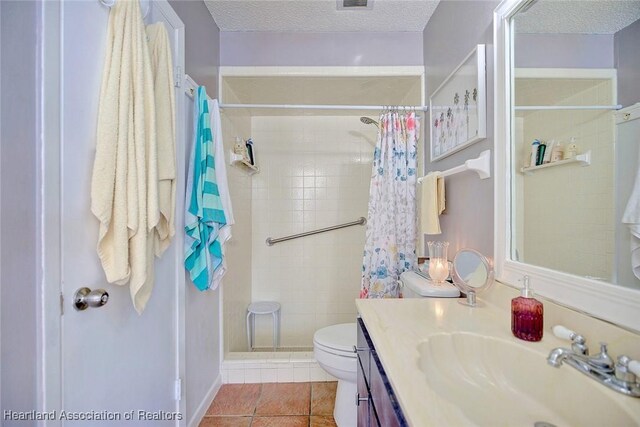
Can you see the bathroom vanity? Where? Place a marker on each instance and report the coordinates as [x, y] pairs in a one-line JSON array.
[[433, 362], [376, 400]]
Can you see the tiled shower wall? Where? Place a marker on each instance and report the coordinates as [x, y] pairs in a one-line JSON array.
[[236, 286], [314, 173], [568, 210]]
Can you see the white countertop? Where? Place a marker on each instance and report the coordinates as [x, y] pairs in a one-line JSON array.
[[398, 326]]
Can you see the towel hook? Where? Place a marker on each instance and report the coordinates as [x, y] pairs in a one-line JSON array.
[[145, 6]]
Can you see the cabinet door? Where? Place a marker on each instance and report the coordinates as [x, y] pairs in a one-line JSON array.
[[364, 406], [364, 352], [382, 399]]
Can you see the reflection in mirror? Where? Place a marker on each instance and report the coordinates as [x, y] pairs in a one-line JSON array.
[[573, 172], [472, 273]]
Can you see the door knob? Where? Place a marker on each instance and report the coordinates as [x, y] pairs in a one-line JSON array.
[[85, 298]]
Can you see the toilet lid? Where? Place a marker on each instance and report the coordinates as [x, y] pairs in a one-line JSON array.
[[340, 337]]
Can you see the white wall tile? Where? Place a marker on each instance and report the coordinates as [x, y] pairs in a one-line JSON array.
[[285, 374], [269, 375], [236, 376], [252, 376], [301, 374], [316, 373], [320, 184]]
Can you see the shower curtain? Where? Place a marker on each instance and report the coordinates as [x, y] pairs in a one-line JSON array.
[[390, 247]]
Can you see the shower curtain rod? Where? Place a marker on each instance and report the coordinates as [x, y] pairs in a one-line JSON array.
[[566, 107], [325, 107]]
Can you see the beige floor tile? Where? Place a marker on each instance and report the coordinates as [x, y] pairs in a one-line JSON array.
[[322, 421], [288, 421], [284, 399], [225, 422], [235, 399], [323, 397]]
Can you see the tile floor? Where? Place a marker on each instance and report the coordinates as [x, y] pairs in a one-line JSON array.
[[273, 405]]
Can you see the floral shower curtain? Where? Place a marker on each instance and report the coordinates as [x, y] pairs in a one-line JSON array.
[[390, 247]]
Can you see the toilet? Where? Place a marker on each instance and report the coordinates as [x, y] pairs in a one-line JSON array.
[[333, 347], [415, 285]]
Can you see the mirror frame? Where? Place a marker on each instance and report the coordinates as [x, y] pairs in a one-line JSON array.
[[606, 301]]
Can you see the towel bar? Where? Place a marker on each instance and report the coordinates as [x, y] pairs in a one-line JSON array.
[[481, 165]]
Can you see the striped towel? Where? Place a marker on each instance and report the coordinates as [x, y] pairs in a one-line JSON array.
[[204, 212]]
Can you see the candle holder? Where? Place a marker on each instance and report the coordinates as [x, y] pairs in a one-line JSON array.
[[438, 261]]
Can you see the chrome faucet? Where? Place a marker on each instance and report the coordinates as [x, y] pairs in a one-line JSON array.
[[621, 376]]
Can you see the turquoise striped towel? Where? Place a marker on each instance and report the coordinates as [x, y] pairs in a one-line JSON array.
[[204, 213]]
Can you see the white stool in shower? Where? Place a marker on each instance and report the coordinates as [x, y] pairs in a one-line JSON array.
[[263, 307]]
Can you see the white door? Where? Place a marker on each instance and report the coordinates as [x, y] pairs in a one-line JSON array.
[[115, 363]]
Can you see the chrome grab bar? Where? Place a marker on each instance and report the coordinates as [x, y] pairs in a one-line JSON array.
[[270, 241]]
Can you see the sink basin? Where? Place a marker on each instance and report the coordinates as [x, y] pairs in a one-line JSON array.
[[496, 382]]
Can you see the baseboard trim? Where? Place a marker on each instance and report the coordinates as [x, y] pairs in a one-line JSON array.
[[206, 402]]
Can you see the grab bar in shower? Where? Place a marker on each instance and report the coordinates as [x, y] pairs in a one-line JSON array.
[[361, 221]]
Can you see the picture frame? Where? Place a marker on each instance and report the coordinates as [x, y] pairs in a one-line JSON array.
[[458, 107]]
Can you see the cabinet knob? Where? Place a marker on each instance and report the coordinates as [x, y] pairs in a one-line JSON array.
[[357, 349]]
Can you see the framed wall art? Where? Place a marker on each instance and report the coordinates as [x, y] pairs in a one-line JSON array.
[[458, 107]]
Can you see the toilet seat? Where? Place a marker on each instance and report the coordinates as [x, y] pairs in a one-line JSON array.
[[337, 339]]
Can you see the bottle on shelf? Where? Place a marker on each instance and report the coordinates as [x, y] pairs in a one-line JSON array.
[[534, 152], [572, 149], [557, 153]]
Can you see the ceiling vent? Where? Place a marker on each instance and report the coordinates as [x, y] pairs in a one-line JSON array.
[[354, 4]]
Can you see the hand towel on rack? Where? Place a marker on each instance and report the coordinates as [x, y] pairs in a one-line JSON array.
[[162, 68], [631, 217], [124, 183], [204, 212], [223, 188], [432, 203]]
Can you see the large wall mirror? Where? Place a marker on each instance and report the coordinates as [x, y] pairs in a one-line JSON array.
[[568, 138]]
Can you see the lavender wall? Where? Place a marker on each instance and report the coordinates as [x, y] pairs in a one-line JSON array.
[[452, 32], [18, 204], [627, 60], [564, 50], [202, 309], [320, 49], [202, 43]]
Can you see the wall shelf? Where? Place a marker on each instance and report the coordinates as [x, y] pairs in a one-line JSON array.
[[583, 159], [240, 162]]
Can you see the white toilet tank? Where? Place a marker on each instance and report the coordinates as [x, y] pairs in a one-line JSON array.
[[416, 286]]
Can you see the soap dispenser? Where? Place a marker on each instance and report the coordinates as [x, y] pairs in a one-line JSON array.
[[527, 315]]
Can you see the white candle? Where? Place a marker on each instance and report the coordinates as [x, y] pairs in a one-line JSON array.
[[438, 270]]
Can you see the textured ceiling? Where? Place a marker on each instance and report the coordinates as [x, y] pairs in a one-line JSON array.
[[319, 15], [575, 16]]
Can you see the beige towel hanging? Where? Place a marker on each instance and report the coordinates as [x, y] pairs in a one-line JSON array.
[[162, 68], [432, 203], [123, 188]]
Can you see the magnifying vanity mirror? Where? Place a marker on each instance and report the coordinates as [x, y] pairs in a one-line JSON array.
[[567, 94], [472, 273]]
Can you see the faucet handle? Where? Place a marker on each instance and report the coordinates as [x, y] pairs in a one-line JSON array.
[[577, 341], [627, 370], [563, 333], [634, 367]]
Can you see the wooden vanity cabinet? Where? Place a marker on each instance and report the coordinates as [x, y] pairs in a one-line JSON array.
[[377, 403]]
